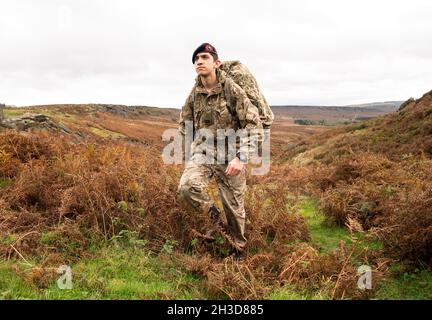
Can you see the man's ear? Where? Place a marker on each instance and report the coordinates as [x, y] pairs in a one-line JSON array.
[[218, 63]]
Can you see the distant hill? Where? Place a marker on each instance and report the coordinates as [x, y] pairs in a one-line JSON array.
[[335, 114], [388, 106], [397, 134], [116, 109], [136, 124], [289, 114]]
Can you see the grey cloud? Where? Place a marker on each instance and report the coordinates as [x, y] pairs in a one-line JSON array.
[[132, 52]]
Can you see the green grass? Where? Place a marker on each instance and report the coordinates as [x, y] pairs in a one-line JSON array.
[[323, 236], [105, 133], [290, 293], [63, 117], [12, 286], [12, 113], [118, 272], [415, 285], [326, 237], [4, 182]]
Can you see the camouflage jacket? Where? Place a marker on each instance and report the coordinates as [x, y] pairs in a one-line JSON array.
[[226, 106]]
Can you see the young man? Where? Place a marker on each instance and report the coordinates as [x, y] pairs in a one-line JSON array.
[[217, 102]]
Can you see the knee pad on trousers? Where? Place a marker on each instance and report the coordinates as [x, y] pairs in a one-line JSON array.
[[185, 191]]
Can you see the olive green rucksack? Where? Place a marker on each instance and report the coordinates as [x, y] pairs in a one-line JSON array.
[[245, 79]]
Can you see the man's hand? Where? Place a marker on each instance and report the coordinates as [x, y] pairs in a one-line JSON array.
[[234, 168]]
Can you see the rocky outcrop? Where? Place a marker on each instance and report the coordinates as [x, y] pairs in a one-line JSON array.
[[405, 104], [135, 111], [33, 120]]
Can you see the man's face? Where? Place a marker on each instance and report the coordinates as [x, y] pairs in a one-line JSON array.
[[205, 64]]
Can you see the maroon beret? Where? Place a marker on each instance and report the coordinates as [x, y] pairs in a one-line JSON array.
[[205, 47]]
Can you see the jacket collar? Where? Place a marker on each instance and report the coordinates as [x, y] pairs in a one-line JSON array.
[[221, 77]]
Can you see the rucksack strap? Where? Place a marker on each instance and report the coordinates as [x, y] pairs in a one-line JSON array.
[[228, 95]]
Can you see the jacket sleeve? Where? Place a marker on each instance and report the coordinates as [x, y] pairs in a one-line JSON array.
[[186, 115], [249, 120]]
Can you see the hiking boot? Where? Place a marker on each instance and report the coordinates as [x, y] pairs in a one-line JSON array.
[[240, 256], [238, 253]]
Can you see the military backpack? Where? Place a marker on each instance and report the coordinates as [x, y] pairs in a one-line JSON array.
[[241, 75]]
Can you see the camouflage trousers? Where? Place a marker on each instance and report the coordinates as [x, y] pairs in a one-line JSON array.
[[193, 183]]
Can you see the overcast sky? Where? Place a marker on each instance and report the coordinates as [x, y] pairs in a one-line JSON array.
[[139, 52]]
